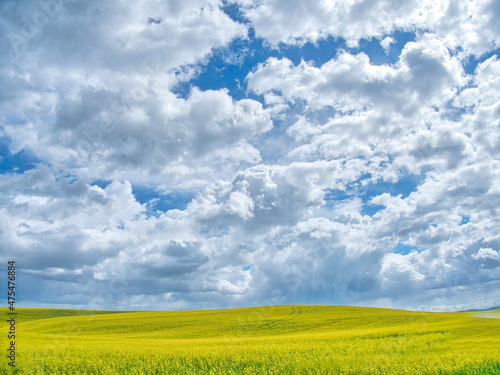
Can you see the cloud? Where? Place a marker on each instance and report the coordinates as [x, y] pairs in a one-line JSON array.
[[265, 217], [386, 44], [107, 104], [352, 21], [49, 215], [353, 180], [258, 198], [426, 74], [468, 24], [118, 35], [370, 104], [481, 100], [105, 132], [486, 254]]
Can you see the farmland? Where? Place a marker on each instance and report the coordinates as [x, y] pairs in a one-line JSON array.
[[265, 340]]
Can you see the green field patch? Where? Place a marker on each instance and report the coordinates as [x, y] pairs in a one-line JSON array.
[[25, 315]]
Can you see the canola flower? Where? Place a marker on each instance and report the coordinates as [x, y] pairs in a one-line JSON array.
[[265, 340]]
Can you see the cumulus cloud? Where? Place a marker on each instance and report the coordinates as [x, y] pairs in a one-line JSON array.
[[426, 74], [468, 24], [340, 179], [386, 44], [278, 21], [48, 215], [108, 103]]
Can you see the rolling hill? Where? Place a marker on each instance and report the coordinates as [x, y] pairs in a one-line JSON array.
[[263, 340]]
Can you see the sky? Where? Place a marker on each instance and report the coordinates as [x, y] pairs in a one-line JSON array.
[[174, 155]]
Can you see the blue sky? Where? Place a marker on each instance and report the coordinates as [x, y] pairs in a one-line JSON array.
[[245, 153]]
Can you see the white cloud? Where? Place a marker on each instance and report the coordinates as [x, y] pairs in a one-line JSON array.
[[386, 44], [486, 254], [399, 269], [469, 24], [425, 75], [483, 107], [386, 118], [289, 22], [304, 198], [264, 217], [106, 106], [54, 221], [119, 35], [109, 135]]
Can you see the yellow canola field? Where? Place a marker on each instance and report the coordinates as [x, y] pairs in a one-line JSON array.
[[264, 340]]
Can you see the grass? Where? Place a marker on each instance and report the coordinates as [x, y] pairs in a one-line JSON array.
[[265, 340]]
